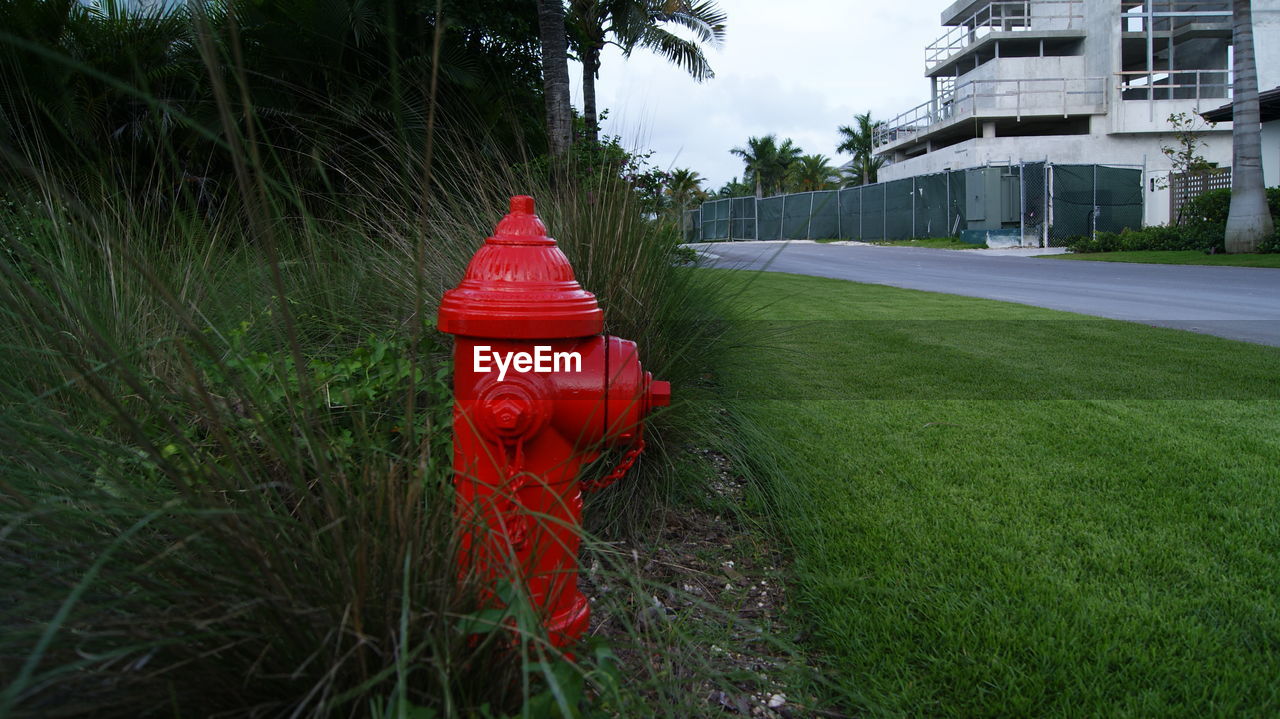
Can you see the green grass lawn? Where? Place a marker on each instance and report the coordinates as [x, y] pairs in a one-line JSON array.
[[1179, 257], [1003, 510]]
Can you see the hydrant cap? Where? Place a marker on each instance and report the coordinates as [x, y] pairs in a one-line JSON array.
[[519, 285]]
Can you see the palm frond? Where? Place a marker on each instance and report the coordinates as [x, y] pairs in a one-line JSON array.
[[678, 51], [705, 19]]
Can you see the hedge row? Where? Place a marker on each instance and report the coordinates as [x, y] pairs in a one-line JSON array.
[[1202, 227]]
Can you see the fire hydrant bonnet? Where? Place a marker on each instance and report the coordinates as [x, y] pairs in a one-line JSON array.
[[521, 286]]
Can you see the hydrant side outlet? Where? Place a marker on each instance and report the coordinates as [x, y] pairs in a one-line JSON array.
[[538, 392]]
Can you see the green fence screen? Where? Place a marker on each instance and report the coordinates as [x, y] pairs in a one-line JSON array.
[[769, 212], [1045, 201], [850, 212]]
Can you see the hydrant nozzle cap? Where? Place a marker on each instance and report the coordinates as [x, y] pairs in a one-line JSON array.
[[522, 205]]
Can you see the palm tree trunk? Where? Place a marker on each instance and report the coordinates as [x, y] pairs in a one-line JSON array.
[[590, 70], [1249, 220], [555, 75]]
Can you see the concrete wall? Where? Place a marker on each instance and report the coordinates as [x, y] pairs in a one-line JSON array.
[[1271, 153], [1102, 39], [1052, 15], [1266, 42], [958, 11], [1202, 53], [1021, 68], [1037, 93], [1148, 116]]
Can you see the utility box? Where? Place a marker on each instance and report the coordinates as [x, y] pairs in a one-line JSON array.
[[1010, 198], [975, 199], [993, 198]]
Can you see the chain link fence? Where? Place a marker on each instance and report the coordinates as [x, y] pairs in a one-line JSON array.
[[1041, 203], [1087, 199]]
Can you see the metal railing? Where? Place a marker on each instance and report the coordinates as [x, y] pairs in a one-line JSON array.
[[1168, 15], [1004, 98], [1004, 16], [1175, 84]]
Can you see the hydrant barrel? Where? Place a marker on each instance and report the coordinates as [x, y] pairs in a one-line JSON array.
[[538, 393]]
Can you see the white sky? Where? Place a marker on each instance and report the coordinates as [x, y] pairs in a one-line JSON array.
[[797, 68]]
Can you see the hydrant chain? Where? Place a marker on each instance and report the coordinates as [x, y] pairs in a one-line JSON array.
[[624, 466], [514, 520]]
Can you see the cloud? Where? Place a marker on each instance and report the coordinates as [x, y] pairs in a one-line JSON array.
[[797, 69]]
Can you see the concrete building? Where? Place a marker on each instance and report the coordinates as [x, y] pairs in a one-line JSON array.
[[1269, 107], [1075, 82]]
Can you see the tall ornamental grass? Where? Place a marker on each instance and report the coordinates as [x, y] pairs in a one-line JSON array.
[[225, 484]]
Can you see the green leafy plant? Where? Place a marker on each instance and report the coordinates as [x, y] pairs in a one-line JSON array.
[[1203, 224], [1186, 155]]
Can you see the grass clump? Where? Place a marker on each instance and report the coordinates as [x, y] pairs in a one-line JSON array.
[[999, 509], [226, 461]]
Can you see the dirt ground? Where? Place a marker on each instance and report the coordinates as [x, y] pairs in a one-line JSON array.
[[712, 613]]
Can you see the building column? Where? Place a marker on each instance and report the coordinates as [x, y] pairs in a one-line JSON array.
[[989, 129]]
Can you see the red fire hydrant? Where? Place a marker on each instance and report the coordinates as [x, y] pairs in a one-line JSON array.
[[538, 392]]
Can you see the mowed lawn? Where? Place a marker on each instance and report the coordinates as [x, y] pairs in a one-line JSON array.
[[1001, 510], [1175, 257]]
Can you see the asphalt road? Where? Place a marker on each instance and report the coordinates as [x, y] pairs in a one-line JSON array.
[[1241, 303]]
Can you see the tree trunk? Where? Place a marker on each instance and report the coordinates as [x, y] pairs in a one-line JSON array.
[[1249, 220], [590, 70], [555, 75], [759, 188]]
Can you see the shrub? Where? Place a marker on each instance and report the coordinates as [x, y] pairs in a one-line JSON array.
[[1203, 226], [686, 255], [1213, 206], [1158, 237]]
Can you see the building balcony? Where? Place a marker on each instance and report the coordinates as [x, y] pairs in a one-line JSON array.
[[1147, 99], [1021, 20], [996, 99], [1195, 85], [1190, 18]]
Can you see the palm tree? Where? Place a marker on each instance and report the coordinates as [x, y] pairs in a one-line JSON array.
[[642, 24], [813, 172], [555, 75], [684, 185], [767, 162], [858, 141], [1249, 220], [734, 188]]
